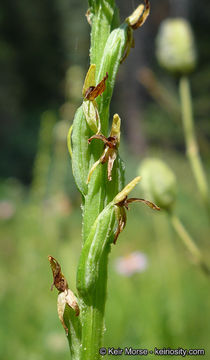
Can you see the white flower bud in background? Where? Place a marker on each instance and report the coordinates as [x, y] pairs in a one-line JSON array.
[[175, 46], [158, 183]]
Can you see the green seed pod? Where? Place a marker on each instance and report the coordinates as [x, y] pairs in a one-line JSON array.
[[175, 46], [95, 250], [91, 115], [158, 183]]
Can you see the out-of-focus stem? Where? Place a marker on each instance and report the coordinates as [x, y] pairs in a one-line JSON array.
[[191, 141], [159, 92], [189, 242], [42, 161]]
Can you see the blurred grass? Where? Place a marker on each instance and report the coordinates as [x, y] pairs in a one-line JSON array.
[[167, 305]]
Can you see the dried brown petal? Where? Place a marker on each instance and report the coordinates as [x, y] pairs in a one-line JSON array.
[[148, 203], [110, 165], [66, 297], [121, 219], [58, 278], [71, 300], [121, 202], [61, 303], [111, 141], [94, 91], [99, 137], [88, 16]]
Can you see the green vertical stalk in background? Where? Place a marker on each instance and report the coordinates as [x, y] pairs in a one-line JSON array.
[[42, 162], [188, 242], [191, 141]]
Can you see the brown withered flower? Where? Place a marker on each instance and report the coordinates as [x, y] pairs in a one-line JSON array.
[[135, 20], [90, 92], [139, 16], [121, 203], [111, 145], [94, 91], [65, 296]]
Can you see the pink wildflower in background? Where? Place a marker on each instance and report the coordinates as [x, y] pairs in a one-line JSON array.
[[132, 263]]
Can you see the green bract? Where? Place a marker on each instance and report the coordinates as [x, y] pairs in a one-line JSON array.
[[95, 251]]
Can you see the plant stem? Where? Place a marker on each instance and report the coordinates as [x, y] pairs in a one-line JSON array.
[[93, 316], [191, 141], [108, 47], [188, 241], [92, 305]]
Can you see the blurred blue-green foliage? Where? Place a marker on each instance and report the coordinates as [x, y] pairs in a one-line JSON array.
[[43, 59]]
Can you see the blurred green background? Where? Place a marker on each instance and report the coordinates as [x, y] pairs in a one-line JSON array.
[[43, 60]]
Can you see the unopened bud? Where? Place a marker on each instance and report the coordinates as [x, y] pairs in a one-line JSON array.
[[158, 183], [175, 46]]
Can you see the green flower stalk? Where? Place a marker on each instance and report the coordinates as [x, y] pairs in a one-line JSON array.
[[99, 176], [176, 52], [159, 185], [192, 147]]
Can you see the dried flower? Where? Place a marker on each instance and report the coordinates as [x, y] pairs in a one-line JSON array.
[[90, 92], [111, 145], [135, 20], [139, 16], [121, 202], [65, 296]]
